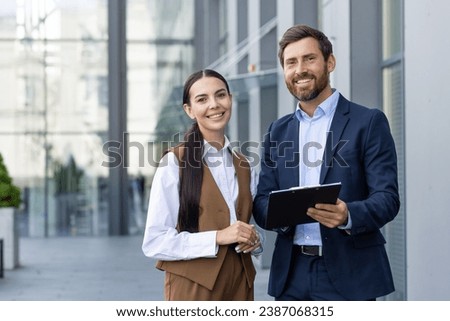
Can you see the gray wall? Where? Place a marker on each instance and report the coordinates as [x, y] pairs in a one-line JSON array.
[[427, 152]]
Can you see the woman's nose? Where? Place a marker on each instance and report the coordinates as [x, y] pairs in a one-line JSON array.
[[213, 103]]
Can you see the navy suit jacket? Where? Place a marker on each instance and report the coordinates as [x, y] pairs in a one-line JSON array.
[[359, 153]]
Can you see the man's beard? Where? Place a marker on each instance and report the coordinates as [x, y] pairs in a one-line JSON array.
[[308, 95]]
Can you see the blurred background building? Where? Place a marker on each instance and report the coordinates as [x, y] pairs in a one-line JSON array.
[[91, 94]]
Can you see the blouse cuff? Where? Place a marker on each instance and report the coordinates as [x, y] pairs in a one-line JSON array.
[[204, 243]]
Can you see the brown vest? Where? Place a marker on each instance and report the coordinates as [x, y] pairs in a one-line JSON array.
[[215, 215]]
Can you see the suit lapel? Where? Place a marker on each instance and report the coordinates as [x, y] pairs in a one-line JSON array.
[[338, 124]]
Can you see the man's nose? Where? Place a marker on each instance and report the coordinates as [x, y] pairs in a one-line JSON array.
[[301, 68]]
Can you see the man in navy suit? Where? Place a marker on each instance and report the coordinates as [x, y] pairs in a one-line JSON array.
[[328, 139]]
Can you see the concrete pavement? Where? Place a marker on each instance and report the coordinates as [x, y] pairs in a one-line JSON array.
[[90, 269]]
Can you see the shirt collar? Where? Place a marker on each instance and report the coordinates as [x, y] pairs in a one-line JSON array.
[[327, 107], [208, 148]]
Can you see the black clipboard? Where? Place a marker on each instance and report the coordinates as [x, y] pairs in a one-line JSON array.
[[288, 207]]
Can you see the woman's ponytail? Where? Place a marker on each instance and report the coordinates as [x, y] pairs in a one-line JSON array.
[[191, 178]]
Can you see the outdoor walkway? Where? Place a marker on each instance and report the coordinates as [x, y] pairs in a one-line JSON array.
[[90, 269]]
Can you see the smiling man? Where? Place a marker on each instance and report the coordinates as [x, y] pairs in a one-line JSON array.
[[342, 255]]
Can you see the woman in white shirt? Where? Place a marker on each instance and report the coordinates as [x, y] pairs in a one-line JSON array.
[[200, 204]]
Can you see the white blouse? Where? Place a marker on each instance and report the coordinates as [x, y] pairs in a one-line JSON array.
[[161, 238]]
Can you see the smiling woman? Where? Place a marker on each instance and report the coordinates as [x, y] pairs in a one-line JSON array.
[[201, 204], [210, 107]]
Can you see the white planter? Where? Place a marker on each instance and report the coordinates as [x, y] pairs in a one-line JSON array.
[[9, 232]]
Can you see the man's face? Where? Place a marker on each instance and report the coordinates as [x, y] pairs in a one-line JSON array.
[[306, 73]]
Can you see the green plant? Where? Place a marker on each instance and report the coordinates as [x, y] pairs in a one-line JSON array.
[[9, 193]]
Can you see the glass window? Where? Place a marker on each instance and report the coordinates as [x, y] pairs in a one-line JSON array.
[[394, 108], [54, 71], [160, 56], [392, 26], [223, 27], [54, 65]]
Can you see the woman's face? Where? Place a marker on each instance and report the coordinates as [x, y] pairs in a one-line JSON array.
[[210, 106]]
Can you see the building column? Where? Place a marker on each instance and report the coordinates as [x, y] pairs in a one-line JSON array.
[[117, 94], [254, 58], [286, 102], [232, 23]]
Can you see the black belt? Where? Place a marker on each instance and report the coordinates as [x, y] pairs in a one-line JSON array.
[[311, 250]]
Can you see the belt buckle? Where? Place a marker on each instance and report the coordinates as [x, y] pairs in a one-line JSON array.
[[311, 250]]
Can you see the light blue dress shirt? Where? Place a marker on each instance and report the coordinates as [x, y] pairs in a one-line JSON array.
[[312, 139]]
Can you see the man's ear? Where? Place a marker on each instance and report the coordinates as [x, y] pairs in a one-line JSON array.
[[188, 111], [331, 63]]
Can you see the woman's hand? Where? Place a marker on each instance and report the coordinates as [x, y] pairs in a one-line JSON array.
[[239, 232], [243, 247]]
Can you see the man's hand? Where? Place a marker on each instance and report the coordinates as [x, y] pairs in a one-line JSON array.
[[330, 215]]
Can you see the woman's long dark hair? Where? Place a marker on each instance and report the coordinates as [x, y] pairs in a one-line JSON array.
[[191, 164]]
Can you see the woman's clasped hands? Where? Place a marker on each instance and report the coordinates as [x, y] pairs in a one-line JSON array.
[[245, 235]]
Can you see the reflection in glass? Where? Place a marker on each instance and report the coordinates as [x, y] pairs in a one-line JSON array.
[[54, 124], [54, 58], [160, 56]]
